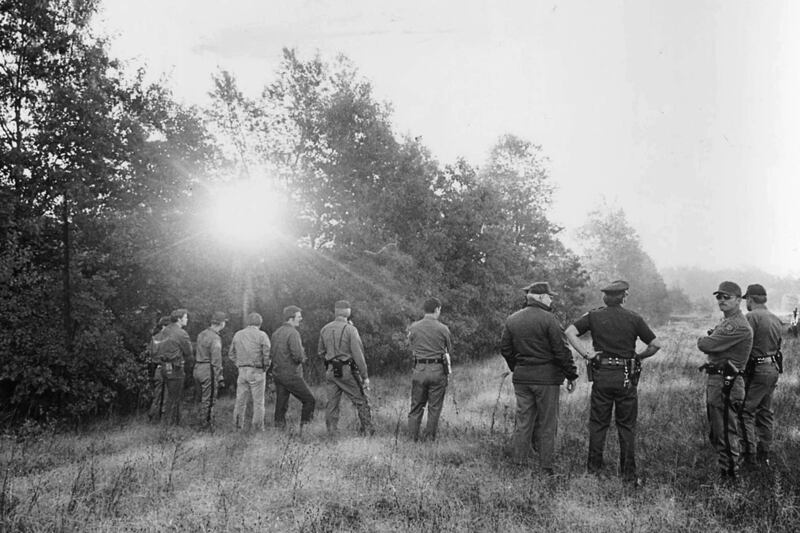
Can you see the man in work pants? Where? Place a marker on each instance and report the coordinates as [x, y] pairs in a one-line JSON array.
[[288, 356], [340, 344], [760, 378], [157, 405], [208, 367], [431, 345], [173, 351], [250, 353], [727, 346]]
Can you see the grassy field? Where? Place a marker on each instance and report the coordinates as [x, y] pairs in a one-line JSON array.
[[128, 475]]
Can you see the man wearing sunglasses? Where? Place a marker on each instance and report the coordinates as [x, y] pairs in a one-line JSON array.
[[728, 347]]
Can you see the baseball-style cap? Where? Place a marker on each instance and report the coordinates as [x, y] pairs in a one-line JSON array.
[[616, 286], [755, 290], [342, 304], [218, 317], [539, 287], [729, 288]]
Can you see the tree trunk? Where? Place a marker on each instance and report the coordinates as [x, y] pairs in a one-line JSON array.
[[67, 301]]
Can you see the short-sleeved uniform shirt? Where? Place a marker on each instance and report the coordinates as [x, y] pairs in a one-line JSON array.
[[615, 330], [209, 349], [429, 338], [340, 340], [766, 332], [731, 340]]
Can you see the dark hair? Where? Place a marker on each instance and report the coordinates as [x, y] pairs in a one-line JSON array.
[[758, 298], [289, 311], [178, 314], [431, 305], [254, 319]]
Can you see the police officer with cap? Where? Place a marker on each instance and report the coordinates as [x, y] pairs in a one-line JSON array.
[[760, 378], [615, 367], [727, 346]]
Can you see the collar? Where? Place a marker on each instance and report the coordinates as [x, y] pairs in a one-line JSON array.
[[540, 305], [340, 319]]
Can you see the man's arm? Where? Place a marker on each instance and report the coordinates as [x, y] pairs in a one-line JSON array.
[[296, 350], [561, 353], [650, 351], [216, 356], [722, 338], [232, 349], [357, 351], [507, 348], [572, 336], [265, 347]]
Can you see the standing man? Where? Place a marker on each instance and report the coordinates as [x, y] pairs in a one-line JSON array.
[[208, 367], [728, 348], [615, 366], [533, 345], [157, 405], [431, 345], [760, 378], [288, 356], [340, 345], [173, 350], [250, 353]]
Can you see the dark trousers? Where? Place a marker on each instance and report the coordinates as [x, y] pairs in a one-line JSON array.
[[722, 419], [173, 389], [295, 386], [537, 422], [757, 417], [609, 394], [157, 405], [428, 386]]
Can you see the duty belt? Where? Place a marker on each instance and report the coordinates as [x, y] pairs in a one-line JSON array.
[[614, 361], [250, 366], [713, 371], [428, 361], [762, 360], [202, 362]]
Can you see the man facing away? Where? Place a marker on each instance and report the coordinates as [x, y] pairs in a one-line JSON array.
[[533, 345], [208, 367], [157, 405], [615, 367], [174, 348], [760, 378], [341, 347], [249, 351], [431, 345], [728, 347], [288, 356]]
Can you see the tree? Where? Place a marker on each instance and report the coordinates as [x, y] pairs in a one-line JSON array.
[[612, 250]]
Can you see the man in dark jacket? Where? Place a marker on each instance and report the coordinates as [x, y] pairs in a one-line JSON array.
[[533, 345], [173, 350], [208, 367], [287, 355], [616, 367]]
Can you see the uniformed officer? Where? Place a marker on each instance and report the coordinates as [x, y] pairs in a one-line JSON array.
[[615, 366], [208, 367], [157, 405], [431, 345], [340, 345], [533, 345], [760, 378], [173, 350], [288, 355], [728, 347], [249, 351]]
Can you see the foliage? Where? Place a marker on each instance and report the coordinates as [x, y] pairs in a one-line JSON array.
[[612, 250]]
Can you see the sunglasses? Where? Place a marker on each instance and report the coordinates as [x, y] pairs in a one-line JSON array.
[[724, 297]]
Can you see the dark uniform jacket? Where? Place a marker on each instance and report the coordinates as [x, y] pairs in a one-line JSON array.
[[340, 339], [731, 340], [534, 347], [615, 330], [287, 352], [766, 332], [175, 345]]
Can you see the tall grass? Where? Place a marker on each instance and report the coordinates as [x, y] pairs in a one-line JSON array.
[[128, 475]]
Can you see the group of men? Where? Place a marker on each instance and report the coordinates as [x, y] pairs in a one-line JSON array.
[[255, 355], [743, 363]]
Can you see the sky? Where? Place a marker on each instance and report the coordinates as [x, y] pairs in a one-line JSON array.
[[683, 113]]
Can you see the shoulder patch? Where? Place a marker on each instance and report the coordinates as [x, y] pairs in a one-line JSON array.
[[728, 328]]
